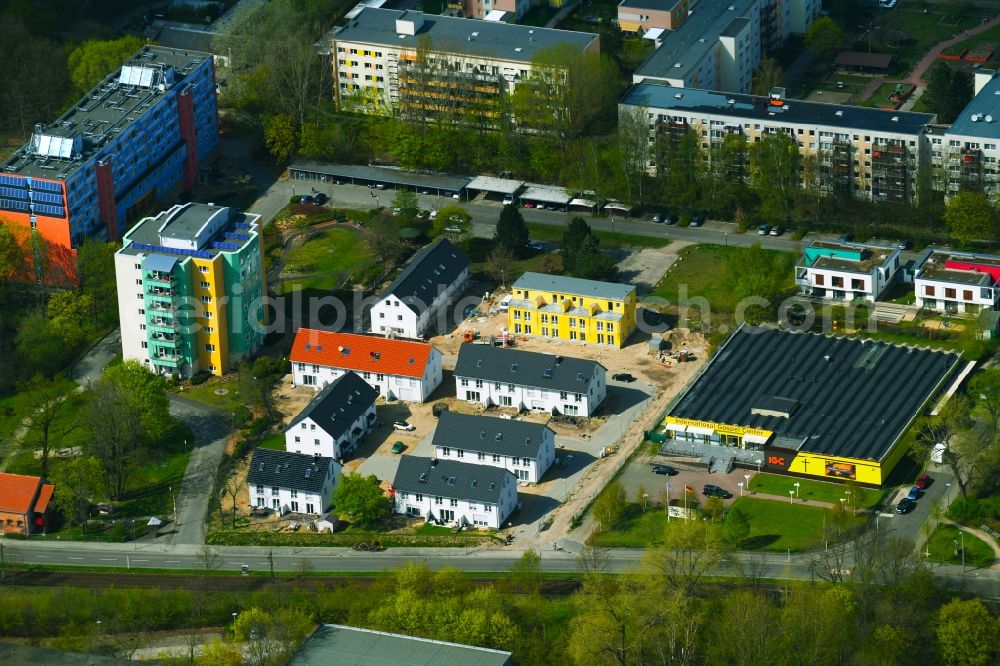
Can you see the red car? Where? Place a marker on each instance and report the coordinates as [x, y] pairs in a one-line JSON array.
[[923, 482]]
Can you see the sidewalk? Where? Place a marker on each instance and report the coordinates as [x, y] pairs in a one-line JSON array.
[[982, 535], [916, 76]]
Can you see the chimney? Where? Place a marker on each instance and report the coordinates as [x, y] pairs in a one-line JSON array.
[[409, 23], [982, 77]]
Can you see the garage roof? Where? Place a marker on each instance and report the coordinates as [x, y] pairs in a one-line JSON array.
[[381, 174], [849, 397], [490, 184], [546, 194]]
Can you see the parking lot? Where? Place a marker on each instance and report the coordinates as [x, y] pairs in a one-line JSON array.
[[639, 474]]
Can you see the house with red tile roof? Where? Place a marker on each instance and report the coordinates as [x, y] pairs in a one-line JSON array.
[[397, 369], [24, 501]]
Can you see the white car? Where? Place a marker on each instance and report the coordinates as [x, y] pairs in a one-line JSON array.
[[452, 230], [505, 303], [403, 425], [433, 215], [508, 201]]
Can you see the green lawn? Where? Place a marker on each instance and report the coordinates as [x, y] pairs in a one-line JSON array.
[[777, 526], [924, 30], [548, 233], [14, 408], [775, 484], [275, 440], [989, 36], [327, 259], [636, 529], [942, 547], [206, 393]]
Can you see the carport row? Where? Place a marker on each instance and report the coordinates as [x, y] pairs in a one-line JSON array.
[[505, 190]]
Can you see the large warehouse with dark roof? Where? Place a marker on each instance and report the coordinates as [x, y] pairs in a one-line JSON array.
[[819, 405]]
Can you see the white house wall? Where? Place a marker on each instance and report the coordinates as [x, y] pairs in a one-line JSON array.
[[526, 469], [392, 387], [308, 438], [477, 514], [285, 500], [519, 396]]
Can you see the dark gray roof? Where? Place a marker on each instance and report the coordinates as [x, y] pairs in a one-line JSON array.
[[860, 119], [561, 284], [986, 103], [432, 268], [513, 366], [657, 5], [852, 397], [300, 471], [382, 174], [450, 478], [185, 37], [489, 434], [24, 655], [106, 112], [338, 405], [333, 644], [486, 39]]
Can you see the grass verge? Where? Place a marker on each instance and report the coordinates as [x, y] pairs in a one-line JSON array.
[[780, 526], [945, 544], [822, 491]]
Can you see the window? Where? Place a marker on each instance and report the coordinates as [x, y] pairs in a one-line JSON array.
[[505, 401], [461, 453], [437, 500], [479, 383], [297, 439], [274, 490], [295, 507], [949, 292], [819, 279], [204, 284], [309, 507], [418, 497], [445, 450], [496, 457], [464, 382], [836, 281], [967, 294], [203, 269], [260, 488], [295, 493], [488, 508], [453, 502], [562, 395], [209, 347]]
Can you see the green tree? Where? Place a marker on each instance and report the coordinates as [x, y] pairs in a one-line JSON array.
[[512, 232], [145, 393], [90, 62], [689, 551], [774, 175], [610, 506], [39, 347], [596, 265], [577, 240], [526, 572], [984, 389], [360, 499], [381, 238], [970, 216], [96, 261], [270, 637], [70, 314], [824, 38], [11, 257], [680, 165], [452, 217], [968, 635], [816, 628], [728, 174], [501, 264], [768, 76], [406, 201], [49, 402], [117, 439], [281, 137], [77, 481], [949, 90]]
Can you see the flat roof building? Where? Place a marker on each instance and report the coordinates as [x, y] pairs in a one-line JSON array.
[[957, 282], [846, 271], [424, 66], [858, 151], [337, 644], [190, 289], [804, 403], [140, 132], [968, 154]]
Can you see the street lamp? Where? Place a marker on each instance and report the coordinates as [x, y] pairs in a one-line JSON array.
[[740, 484], [791, 496], [796, 484], [746, 477]]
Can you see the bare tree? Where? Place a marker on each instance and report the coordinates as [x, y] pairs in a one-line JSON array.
[[754, 570], [633, 151], [207, 561], [116, 426], [48, 400], [9, 557], [232, 489], [690, 551]]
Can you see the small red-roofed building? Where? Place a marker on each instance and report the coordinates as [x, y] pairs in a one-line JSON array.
[[397, 369], [24, 501]]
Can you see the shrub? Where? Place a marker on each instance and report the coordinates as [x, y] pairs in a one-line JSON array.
[[200, 377], [258, 426], [965, 510], [241, 416]]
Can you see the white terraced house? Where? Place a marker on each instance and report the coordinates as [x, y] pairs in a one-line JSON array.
[[335, 421], [527, 449], [957, 282], [291, 482], [846, 271], [449, 492], [397, 369], [420, 296], [529, 381]]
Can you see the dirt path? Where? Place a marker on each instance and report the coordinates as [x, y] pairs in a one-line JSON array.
[[916, 76]]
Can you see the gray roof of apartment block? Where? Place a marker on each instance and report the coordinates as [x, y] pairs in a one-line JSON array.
[[450, 478], [843, 396], [489, 434], [338, 405], [524, 368], [300, 471], [485, 39], [743, 108], [560, 284], [986, 103]]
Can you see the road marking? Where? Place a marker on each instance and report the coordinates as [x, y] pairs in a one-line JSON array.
[[171, 561], [137, 560], [109, 559], [74, 558]]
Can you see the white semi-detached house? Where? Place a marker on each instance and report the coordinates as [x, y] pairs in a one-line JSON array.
[[527, 449], [420, 296], [846, 271], [335, 421], [291, 482], [957, 282], [530, 381], [454, 493], [397, 369]]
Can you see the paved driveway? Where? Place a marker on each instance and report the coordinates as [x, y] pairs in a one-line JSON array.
[[88, 369]]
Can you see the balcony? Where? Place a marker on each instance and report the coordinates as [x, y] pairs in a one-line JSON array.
[[165, 339], [159, 278], [162, 325], [160, 291], [160, 306], [168, 360]]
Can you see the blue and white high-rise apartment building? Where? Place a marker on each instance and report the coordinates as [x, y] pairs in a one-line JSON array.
[[97, 168]]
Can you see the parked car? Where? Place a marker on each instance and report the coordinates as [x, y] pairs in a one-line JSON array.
[[432, 215], [398, 447], [397, 211], [914, 493], [380, 186], [623, 377], [846, 238], [715, 491], [452, 230], [671, 218], [528, 204], [696, 221], [404, 425], [923, 482], [508, 201], [777, 230], [664, 469], [904, 245], [905, 505], [505, 303], [321, 198], [456, 195], [659, 217], [763, 229], [535, 245], [305, 198]]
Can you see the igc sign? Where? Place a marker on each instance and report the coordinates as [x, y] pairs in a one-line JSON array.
[[778, 460]]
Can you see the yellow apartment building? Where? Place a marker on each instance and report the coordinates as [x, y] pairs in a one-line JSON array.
[[566, 308]]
